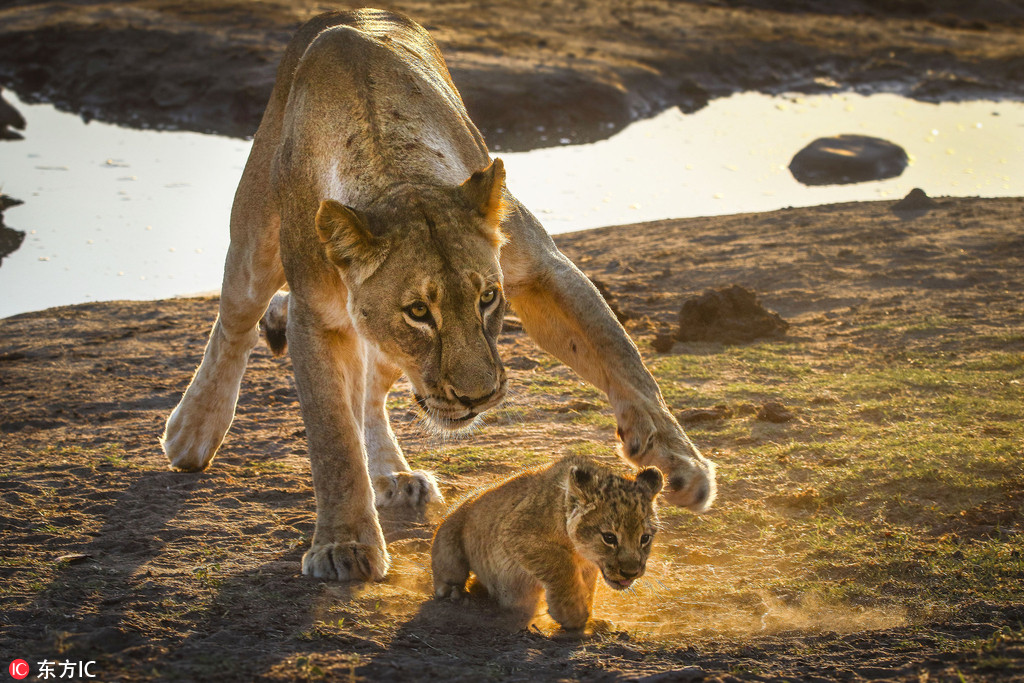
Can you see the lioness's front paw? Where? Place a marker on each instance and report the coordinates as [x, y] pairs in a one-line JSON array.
[[190, 442], [416, 490], [349, 561], [650, 437], [690, 484]]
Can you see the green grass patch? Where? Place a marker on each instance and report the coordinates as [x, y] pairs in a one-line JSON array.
[[450, 461], [901, 483]]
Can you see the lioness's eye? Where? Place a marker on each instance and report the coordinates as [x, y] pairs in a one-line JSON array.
[[418, 311], [609, 538], [488, 297], [645, 539]]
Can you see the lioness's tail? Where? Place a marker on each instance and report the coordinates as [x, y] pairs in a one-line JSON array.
[[275, 324]]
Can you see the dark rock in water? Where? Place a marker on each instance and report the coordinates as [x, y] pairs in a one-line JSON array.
[[10, 239], [7, 201], [731, 315], [915, 204], [847, 159], [10, 118]]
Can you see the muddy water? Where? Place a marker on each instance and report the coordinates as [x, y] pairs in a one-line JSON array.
[[115, 213]]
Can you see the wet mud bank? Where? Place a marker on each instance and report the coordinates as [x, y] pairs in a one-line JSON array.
[[535, 74]]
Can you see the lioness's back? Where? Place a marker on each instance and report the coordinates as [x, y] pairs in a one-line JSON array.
[[369, 99]]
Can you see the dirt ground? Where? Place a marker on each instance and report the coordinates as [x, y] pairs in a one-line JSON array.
[[107, 556]]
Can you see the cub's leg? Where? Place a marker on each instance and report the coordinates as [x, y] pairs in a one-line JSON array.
[[449, 565], [395, 485], [589, 572], [252, 273], [568, 590], [563, 311], [330, 369]]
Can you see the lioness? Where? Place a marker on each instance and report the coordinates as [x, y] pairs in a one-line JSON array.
[[550, 531], [370, 192]]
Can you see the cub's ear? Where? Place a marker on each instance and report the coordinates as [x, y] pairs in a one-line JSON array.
[[347, 241], [581, 482], [484, 190], [650, 480]]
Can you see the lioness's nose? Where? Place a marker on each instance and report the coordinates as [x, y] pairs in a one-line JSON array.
[[468, 401]]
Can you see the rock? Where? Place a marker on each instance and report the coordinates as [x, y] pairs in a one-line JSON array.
[[915, 204], [698, 415], [7, 201], [731, 315], [663, 342], [773, 411], [521, 363], [10, 240], [10, 118], [848, 159]]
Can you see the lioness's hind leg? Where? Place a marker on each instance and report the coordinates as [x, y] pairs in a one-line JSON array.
[[274, 324], [252, 273], [395, 485]]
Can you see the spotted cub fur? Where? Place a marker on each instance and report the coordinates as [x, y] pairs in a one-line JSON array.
[[550, 530]]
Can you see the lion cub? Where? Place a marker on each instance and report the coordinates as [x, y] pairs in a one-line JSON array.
[[551, 529]]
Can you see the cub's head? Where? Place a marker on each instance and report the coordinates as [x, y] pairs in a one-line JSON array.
[[425, 286], [611, 520]]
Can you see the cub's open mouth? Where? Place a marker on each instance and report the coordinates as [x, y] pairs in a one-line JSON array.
[[617, 584]]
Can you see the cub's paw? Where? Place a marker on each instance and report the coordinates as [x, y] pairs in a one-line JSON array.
[[450, 591], [349, 561], [600, 626], [415, 490]]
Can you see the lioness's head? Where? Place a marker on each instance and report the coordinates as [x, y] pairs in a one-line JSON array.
[[424, 284], [611, 520]]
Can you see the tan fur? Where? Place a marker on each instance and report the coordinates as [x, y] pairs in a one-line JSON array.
[[371, 194], [544, 532]]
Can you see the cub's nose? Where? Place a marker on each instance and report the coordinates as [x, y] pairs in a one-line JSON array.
[[629, 573]]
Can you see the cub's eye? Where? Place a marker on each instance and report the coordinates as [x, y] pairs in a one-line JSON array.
[[418, 311], [645, 539], [609, 538], [488, 297]]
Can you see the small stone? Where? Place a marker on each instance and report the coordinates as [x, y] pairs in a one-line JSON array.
[[773, 411], [915, 204], [698, 415], [663, 342]]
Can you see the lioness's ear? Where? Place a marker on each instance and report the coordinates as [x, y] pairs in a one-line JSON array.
[[483, 190], [347, 241], [651, 480]]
